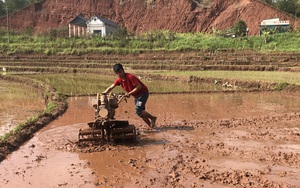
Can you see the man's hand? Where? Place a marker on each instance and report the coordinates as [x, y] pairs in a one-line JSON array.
[[127, 95]]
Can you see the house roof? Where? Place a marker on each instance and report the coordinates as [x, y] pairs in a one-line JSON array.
[[80, 21], [105, 21]]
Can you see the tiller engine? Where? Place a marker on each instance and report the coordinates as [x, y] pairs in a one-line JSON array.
[[106, 128]]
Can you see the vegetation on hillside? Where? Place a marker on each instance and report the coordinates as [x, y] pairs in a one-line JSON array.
[[290, 6], [56, 42], [10, 6]]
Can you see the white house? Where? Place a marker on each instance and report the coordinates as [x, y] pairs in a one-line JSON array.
[[274, 23], [101, 26], [81, 26]]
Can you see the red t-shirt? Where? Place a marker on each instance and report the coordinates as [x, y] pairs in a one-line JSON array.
[[130, 83]]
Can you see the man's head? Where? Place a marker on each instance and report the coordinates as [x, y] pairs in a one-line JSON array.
[[117, 67]]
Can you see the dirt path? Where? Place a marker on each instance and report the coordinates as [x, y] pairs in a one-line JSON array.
[[203, 140]]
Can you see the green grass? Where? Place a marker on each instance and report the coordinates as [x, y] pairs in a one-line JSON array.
[[272, 77], [16, 101], [13, 95], [51, 106], [153, 40], [75, 84], [83, 84]]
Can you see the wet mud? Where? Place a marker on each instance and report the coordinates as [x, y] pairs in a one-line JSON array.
[[245, 139]]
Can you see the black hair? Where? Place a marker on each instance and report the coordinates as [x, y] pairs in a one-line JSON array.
[[117, 67]]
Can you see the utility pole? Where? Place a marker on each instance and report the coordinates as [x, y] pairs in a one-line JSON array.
[[7, 24]]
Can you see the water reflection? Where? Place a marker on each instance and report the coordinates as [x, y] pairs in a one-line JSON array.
[[217, 105]]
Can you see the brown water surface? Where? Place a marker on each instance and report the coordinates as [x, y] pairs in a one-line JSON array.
[[203, 140]]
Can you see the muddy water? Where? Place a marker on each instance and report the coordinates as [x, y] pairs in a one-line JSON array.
[[210, 154]]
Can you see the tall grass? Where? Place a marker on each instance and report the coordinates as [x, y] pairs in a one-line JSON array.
[[272, 77], [51, 106], [82, 84], [76, 84]]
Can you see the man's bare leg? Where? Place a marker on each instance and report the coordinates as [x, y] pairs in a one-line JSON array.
[[149, 119]]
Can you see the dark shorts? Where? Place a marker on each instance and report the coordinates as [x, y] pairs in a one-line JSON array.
[[140, 103]]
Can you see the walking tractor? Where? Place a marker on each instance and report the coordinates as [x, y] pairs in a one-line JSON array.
[[105, 128]]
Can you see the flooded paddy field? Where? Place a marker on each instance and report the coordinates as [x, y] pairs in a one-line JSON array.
[[240, 139], [222, 138], [18, 103]]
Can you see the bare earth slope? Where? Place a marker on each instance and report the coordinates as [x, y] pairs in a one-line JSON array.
[[139, 16]]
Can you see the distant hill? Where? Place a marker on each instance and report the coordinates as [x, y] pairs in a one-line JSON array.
[[139, 16]]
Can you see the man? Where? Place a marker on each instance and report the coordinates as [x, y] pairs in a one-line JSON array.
[[133, 86]]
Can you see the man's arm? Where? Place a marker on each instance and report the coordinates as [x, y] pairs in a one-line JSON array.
[[110, 88], [136, 89]]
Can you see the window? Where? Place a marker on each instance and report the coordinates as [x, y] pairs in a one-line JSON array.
[[98, 32]]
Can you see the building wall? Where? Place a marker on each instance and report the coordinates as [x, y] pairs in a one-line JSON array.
[[96, 26]]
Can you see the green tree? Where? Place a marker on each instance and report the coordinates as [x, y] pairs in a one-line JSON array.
[[14, 5], [240, 28], [289, 6], [33, 1], [2, 9], [121, 33]]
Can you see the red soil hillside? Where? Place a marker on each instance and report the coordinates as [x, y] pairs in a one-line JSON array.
[[139, 16]]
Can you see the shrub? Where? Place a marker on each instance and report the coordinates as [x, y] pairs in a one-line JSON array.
[[280, 86]]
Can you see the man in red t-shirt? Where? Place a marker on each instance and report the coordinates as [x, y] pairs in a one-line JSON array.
[[133, 86]]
